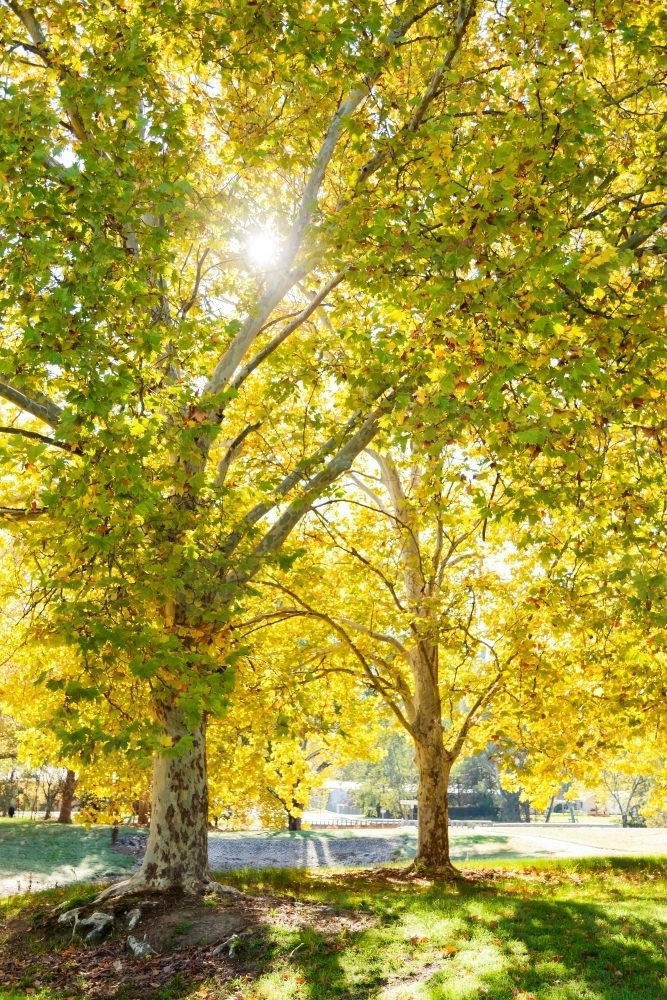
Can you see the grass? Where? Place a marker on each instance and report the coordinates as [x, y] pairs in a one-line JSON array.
[[49, 850], [585, 929]]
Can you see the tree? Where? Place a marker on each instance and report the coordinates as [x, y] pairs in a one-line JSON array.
[[442, 616], [292, 722], [387, 782], [436, 203], [67, 797]]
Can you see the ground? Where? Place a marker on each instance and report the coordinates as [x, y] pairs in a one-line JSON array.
[[42, 855], [529, 921], [586, 929], [35, 855]]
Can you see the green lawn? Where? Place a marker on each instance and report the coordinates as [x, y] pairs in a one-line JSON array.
[[48, 852], [590, 929]]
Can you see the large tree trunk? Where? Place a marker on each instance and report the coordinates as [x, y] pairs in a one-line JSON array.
[[293, 822], [433, 807], [67, 797], [177, 850]]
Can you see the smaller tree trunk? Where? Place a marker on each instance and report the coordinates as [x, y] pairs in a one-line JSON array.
[[293, 822], [67, 797], [550, 809], [143, 811]]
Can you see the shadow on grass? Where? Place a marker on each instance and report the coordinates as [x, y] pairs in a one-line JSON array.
[[48, 849], [551, 938]]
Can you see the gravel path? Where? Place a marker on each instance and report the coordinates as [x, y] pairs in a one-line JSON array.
[[259, 852]]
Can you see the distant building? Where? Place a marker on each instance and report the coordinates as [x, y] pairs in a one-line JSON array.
[[340, 798]]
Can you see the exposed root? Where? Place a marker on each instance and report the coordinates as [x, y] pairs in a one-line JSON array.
[[214, 886], [442, 872], [135, 885], [138, 885]]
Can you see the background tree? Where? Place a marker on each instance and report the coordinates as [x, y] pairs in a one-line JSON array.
[[449, 622], [387, 782]]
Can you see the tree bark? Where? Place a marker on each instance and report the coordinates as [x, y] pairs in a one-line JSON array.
[[293, 822], [67, 798], [177, 850], [433, 807], [143, 811]]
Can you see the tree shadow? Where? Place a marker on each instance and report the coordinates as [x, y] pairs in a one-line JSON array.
[[52, 851], [503, 944]]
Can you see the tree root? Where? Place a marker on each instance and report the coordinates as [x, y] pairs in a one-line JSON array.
[[138, 885], [443, 872]]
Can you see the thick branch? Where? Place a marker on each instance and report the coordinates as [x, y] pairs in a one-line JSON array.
[[285, 278], [20, 514], [288, 483], [380, 636], [43, 409], [243, 373], [415, 582], [635, 240], [338, 465]]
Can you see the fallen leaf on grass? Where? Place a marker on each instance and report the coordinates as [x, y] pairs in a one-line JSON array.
[[449, 949]]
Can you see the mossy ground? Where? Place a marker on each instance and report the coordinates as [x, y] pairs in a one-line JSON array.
[[590, 929]]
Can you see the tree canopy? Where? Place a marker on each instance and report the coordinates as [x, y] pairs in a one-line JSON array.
[[241, 246]]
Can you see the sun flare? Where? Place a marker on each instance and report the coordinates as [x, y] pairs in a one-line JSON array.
[[262, 248]]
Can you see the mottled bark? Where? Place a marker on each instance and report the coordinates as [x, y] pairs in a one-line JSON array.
[[433, 807], [177, 850], [67, 798]]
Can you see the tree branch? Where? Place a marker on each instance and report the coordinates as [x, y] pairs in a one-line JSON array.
[[243, 373], [288, 483], [285, 278], [636, 239], [20, 514], [232, 452], [43, 408], [470, 717], [463, 20], [37, 437], [286, 523], [380, 636], [375, 681], [41, 48]]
